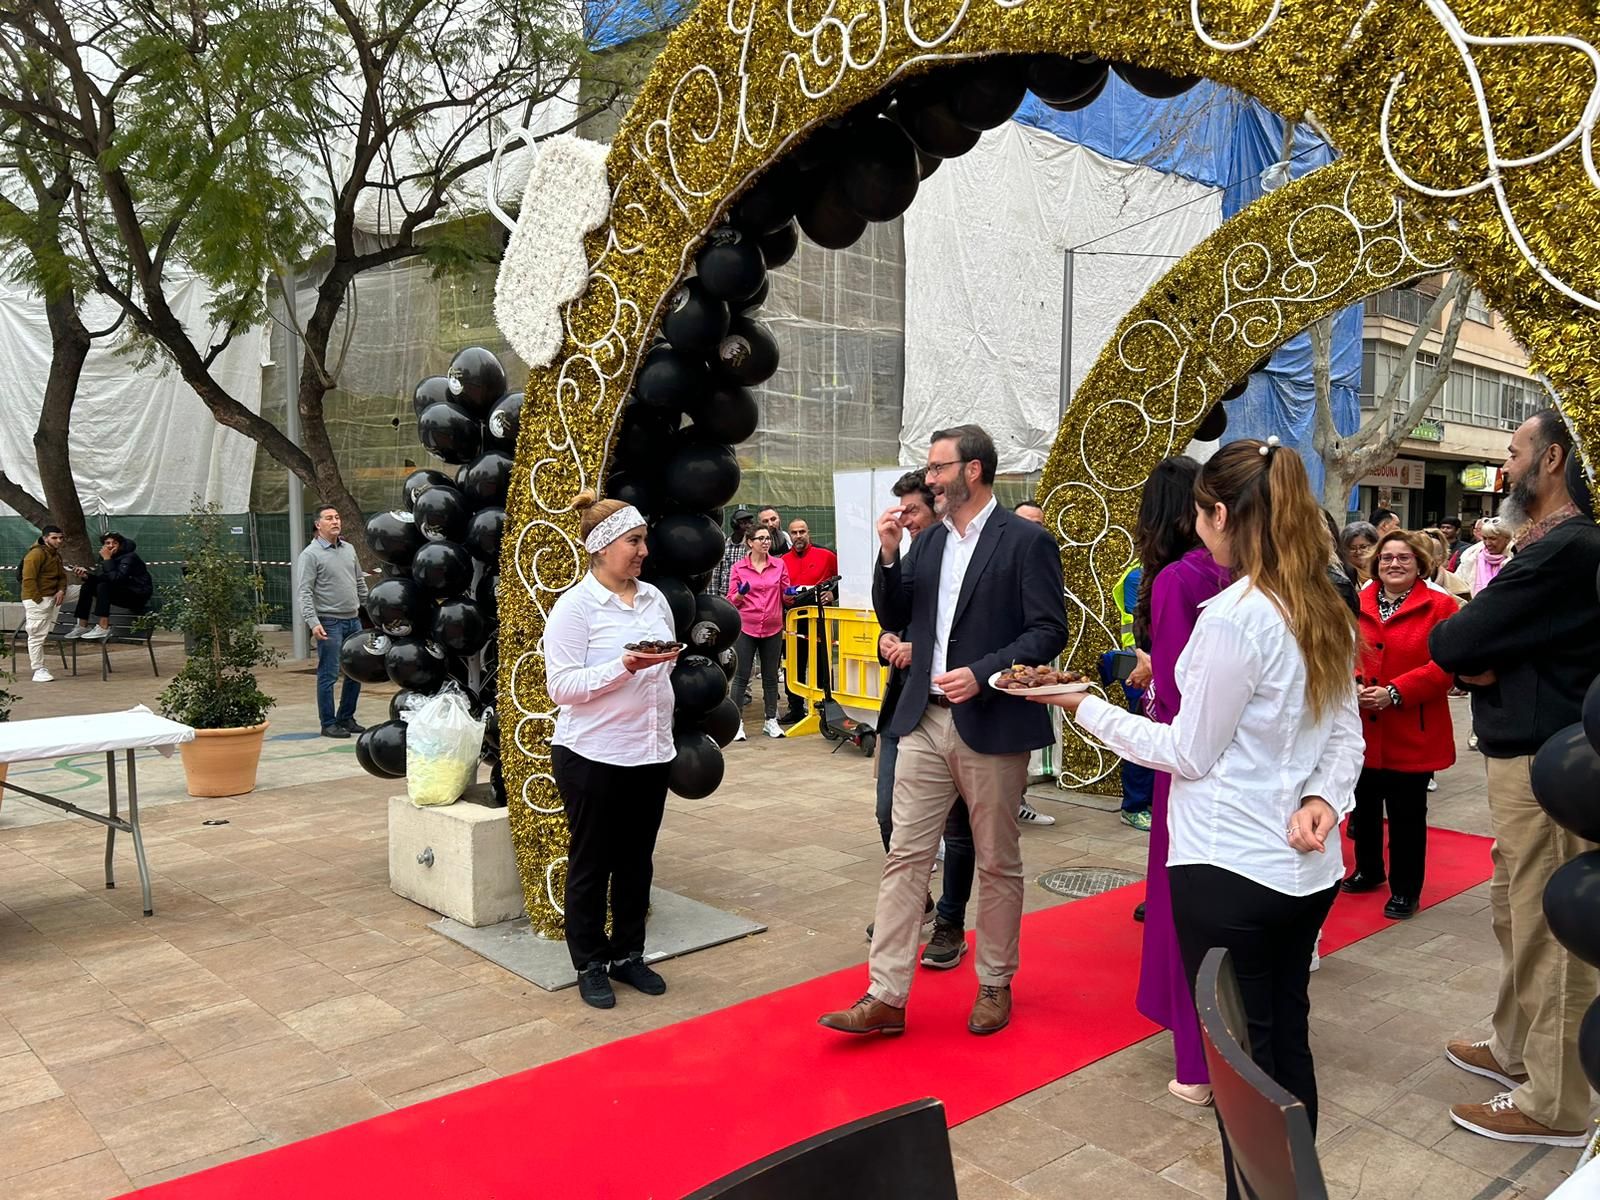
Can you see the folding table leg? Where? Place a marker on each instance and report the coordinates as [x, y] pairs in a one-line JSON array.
[[111, 834], [138, 838]]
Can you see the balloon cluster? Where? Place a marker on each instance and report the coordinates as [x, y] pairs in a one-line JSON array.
[[1566, 779], [434, 611]]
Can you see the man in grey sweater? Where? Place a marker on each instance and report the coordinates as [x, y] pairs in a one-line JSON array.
[[330, 590]]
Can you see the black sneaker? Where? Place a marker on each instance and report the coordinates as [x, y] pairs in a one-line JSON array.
[[352, 725], [338, 731], [945, 948], [635, 974], [792, 717], [595, 988]]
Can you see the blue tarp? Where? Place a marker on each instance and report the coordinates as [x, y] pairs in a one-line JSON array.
[[612, 22]]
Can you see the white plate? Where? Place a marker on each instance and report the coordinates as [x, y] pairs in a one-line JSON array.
[[1054, 689]]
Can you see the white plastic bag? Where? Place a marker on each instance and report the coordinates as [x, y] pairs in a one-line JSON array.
[[442, 744]]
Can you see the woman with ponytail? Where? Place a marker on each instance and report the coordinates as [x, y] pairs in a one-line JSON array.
[[612, 746], [1264, 753]]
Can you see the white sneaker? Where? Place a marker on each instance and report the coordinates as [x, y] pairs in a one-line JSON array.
[[740, 736], [772, 728], [98, 634], [1029, 815], [78, 631], [1316, 952], [43, 676]]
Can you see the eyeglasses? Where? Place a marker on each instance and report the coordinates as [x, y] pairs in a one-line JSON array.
[[1399, 560], [936, 468], [760, 539]]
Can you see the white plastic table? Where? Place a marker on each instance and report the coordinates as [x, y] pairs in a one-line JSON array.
[[108, 733]]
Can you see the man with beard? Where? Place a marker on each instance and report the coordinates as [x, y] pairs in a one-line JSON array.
[[975, 594], [772, 522], [1528, 648]]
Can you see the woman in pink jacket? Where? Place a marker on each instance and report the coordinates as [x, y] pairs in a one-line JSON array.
[[758, 586]]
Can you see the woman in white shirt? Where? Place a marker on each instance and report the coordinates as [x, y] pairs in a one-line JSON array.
[[612, 747], [1264, 753]]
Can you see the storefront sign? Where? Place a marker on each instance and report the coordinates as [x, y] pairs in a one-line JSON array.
[[1401, 473], [1428, 431], [1475, 478]]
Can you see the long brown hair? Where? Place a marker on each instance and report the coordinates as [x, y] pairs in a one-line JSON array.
[[1275, 536]]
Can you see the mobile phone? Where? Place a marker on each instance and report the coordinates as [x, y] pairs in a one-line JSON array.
[[1122, 664]]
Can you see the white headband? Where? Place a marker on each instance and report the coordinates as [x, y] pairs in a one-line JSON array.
[[613, 527]]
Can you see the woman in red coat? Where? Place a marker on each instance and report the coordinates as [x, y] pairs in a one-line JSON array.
[[1405, 715]]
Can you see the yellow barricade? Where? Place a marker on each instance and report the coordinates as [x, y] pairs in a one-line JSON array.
[[856, 677]]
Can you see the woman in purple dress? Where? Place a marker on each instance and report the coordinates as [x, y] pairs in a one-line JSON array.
[[1179, 575]]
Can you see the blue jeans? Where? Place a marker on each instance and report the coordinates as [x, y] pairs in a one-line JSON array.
[[960, 855], [337, 629]]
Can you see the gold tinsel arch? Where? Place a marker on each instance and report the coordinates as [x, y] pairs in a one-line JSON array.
[[1471, 122]]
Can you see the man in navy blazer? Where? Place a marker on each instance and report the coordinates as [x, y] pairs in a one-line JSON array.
[[976, 593]]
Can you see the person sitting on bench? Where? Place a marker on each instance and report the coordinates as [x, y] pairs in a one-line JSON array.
[[121, 579]]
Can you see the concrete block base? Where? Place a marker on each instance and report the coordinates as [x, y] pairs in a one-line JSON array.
[[455, 859]]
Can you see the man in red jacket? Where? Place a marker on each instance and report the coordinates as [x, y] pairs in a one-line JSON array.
[[808, 565]]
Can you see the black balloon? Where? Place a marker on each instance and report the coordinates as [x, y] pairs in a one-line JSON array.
[[1088, 98], [932, 126], [485, 480], [778, 247], [716, 625], [685, 544], [398, 702], [983, 95], [381, 750], [477, 380], [878, 169], [487, 594], [500, 429], [1063, 78], [644, 432], [827, 218], [397, 606], [1572, 906], [459, 626], [361, 655], [669, 381], [450, 432], [698, 685], [430, 391], [728, 414], [1589, 1045], [721, 724], [1591, 717], [415, 664], [702, 475], [927, 164], [1566, 779], [1158, 85], [758, 299], [769, 204], [728, 660], [730, 265], [634, 490], [1236, 390], [1213, 425], [749, 354], [695, 320], [393, 536], [442, 514], [680, 600], [442, 569], [697, 767], [484, 532], [420, 481]]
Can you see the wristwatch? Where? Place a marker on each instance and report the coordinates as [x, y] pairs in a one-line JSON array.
[[1394, 694]]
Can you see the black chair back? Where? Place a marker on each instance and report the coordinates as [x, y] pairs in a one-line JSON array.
[[902, 1152], [1273, 1150]]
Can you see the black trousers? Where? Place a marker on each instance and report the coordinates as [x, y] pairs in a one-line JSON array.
[[770, 648], [1269, 937], [614, 814], [1405, 794], [102, 593]]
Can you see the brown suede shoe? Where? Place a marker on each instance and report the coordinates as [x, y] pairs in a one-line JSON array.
[[991, 1011], [866, 1015], [1475, 1057], [1503, 1121]]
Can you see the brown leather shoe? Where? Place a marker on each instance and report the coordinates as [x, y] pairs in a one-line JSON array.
[[991, 1011], [1503, 1121], [1475, 1057], [866, 1015]]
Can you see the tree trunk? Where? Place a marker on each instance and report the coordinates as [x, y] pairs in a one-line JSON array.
[[316, 374], [69, 349]]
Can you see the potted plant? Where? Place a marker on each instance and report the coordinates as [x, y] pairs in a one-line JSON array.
[[215, 607]]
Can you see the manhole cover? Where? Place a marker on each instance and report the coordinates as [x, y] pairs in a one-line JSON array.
[[1078, 882]]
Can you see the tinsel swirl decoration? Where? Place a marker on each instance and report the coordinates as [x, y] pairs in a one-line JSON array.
[[1474, 115]]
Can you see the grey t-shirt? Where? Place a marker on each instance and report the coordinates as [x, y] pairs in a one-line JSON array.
[[329, 582]]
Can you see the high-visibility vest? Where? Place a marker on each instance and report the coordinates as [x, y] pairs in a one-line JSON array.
[[1125, 595]]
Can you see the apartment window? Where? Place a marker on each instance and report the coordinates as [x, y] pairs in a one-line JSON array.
[[1478, 308]]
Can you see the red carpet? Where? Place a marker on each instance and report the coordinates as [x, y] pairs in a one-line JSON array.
[[662, 1113]]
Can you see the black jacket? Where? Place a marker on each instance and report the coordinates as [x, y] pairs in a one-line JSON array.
[[1537, 627], [126, 571], [1010, 610]]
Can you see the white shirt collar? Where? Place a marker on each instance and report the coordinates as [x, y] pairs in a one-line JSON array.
[[975, 526], [604, 595]]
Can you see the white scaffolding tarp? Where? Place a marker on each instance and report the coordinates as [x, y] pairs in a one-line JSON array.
[[985, 246], [141, 441]]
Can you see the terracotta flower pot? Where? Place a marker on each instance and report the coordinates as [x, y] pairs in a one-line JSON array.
[[222, 762]]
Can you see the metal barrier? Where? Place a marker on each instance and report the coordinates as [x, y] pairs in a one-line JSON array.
[[856, 677]]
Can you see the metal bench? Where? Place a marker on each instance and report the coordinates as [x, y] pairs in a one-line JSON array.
[[127, 629]]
